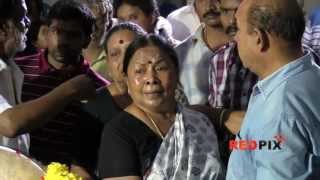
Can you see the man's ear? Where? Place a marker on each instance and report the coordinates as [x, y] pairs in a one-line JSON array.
[[262, 39]]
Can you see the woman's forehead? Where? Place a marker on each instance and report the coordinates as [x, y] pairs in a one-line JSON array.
[[121, 37], [149, 55]]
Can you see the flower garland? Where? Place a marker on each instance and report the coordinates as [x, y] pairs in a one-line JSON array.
[[57, 171]]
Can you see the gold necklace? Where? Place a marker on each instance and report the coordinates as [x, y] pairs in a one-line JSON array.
[[155, 125]]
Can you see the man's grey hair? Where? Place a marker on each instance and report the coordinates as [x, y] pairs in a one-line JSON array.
[[286, 24]]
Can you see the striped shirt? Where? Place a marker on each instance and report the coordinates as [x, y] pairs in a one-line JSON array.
[[72, 132], [230, 86], [230, 83], [311, 36]]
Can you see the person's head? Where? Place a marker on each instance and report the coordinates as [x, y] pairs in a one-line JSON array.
[[103, 12], [118, 39], [14, 25], [266, 27], [41, 41], [228, 10], [37, 35], [208, 12], [142, 12], [70, 26], [38, 28], [151, 69]]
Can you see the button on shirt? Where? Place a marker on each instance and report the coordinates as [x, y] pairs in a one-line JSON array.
[[284, 104], [194, 56], [11, 79]]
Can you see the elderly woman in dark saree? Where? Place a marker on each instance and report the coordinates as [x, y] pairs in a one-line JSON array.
[[112, 99], [155, 137]]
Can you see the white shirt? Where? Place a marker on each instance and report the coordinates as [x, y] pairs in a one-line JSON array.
[[184, 21], [194, 57], [163, 28], [11, 79]]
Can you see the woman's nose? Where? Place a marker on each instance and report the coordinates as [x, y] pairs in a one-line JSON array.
[[151, 77]]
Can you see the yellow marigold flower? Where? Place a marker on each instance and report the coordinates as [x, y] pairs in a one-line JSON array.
[[57, 171]]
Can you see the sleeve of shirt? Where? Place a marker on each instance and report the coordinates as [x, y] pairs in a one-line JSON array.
[[293, 160], [4, 105], [118, 156]]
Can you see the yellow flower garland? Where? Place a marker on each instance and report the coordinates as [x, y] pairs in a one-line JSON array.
[[57, 171]]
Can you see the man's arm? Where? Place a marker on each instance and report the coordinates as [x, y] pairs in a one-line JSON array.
[[25, 117], [234, 121], [221, 118]]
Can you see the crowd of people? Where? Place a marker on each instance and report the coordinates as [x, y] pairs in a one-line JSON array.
[[220, 89]]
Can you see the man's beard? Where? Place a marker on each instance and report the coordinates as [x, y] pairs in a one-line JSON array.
[[231, 30]]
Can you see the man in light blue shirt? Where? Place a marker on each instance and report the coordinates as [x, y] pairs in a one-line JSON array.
[[280, 136]]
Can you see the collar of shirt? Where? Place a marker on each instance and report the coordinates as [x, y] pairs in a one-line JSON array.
[[231, 44], [197, 36], [270, 83], [163, 26], [233, 52], [192, 10], [186, 10]]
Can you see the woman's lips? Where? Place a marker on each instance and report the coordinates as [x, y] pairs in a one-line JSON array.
[[153, 93]]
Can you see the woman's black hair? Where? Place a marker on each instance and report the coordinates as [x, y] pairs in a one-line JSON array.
[[150, 39], [9, 11], [137, 30]]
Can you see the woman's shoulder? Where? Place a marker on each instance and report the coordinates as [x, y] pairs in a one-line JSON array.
[[186, 111], [126, 123], [122, 120], [102, 106], [196, 118]]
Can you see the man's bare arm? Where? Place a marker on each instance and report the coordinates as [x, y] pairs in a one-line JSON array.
[[232, 120], [25, 117]]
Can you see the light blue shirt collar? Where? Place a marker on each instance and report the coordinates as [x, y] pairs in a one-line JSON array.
[[267, 85]]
